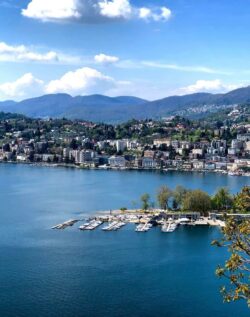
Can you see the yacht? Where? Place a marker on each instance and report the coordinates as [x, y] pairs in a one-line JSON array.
[[169, 227], [143, 227]]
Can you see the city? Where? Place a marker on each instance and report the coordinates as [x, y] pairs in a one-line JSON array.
[[172, 143]]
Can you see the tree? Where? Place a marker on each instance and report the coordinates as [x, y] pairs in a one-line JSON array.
[[145, 201], [197, 200], [222, 200], [179, 195], [242, 200], [236, 237], [163, 195]]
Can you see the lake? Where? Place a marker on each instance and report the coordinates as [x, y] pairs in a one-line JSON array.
[[46, 272]]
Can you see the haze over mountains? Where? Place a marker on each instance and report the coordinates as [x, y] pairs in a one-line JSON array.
[[117, 109]]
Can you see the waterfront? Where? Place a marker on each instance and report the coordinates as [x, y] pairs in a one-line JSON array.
[[74, 273]]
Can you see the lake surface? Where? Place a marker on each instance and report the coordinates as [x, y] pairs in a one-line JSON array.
[[46, 272]]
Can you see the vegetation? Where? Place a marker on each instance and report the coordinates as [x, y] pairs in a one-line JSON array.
[[197, 200], [163, 195], [183, 199], [145, 201], [236, 237], [179, 194], [222, 200], [242, 201]]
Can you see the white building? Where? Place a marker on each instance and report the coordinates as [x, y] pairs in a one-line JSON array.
[[121, 145], [117, 161], [148, 162], [198, 165]]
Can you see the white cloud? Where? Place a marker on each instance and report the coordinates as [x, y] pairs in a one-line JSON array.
[[159, 14], [195, 69], [115, 8], [25, 86], [215, 86], [23, 53], [82, 81], [106, 59], [91, 11], [47, 10]]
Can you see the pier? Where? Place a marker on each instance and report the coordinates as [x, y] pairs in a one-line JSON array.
[[144, 220], [68, 223]]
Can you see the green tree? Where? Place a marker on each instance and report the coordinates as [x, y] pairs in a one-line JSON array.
[[222, 200], [236, 238], [163, 195], [145, 201], [197, 200], [179, 195]]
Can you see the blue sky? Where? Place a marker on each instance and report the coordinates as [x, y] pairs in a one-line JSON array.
[[149, 49]]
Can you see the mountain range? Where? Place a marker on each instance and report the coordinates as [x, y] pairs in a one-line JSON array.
[[99, 108]]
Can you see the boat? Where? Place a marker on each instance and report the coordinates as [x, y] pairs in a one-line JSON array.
[[169, 227], [113, 226], [183, 221], [90, 225], [143, 227]]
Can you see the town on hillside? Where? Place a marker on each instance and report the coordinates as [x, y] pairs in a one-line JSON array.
[[218, 144]]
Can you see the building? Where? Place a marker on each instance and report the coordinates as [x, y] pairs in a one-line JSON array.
[[148, 162], [117, 161], [120, 145], [159, 142], [86, 156]]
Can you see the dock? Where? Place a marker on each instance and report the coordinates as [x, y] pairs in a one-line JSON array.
[[143, 221], [68, 223]]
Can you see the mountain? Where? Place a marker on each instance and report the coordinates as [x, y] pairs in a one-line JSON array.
[[117, 109], [93, 107]]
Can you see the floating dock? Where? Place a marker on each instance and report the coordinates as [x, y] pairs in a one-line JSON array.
[[68, 223]]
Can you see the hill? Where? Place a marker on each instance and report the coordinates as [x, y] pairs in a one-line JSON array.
[[117, 109]]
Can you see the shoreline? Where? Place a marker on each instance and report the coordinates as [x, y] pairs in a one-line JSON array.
[[108, 168]]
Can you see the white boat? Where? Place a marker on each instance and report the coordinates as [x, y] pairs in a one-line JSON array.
[[115, 225], [91, 225], [169, 227], [143, 227], [183, 221]]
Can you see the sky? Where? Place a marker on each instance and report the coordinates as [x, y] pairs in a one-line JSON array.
[[150, 49]]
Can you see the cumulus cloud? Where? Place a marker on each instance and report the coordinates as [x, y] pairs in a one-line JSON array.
[[82, 81], [25, 86], [159, 14], [208, 86], [106, 59], [91, 11], [115, 8]]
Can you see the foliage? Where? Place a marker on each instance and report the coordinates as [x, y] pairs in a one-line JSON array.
[[123, 209], [145, 201], [222, 200], [236, 237], [163, 195], [242, 200], [179, 195], [197, 200]]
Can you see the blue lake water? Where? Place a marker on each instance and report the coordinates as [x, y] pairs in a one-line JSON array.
[[46, 272]]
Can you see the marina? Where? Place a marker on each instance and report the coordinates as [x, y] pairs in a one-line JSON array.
[[144, 221]]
